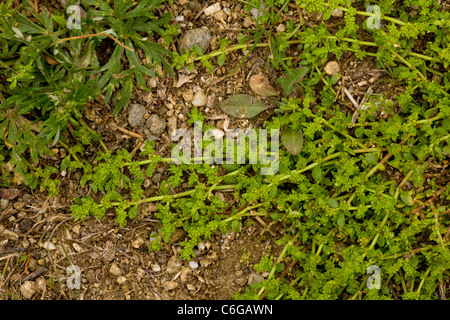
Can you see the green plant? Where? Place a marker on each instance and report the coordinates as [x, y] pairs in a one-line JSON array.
[[49, 72], [134, 25]]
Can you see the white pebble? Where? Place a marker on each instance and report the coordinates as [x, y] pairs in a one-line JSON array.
[[216, 7], [200, 98]]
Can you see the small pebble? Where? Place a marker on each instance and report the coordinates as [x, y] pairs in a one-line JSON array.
[[170, 285], [155, 267], [41, 284], [216, 7], [115, 270], [137, 243], [199, 36], [247, 22], [77, 247], [174, 265], [337, 13], [136, 115], [200, 98], [281, 27], [28, 289], [254, 277], [332, 68], [121, 280], [48, 245], [156, 124]]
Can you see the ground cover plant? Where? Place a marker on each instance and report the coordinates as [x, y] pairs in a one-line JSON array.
[[361, 191]]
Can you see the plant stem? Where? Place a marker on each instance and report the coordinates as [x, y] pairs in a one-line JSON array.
[[368, 14]]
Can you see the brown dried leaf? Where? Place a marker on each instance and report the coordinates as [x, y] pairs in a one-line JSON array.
[[261, 86], [51, 61], [182, 79]]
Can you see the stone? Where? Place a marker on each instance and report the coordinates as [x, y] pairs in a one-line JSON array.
[[174, 265], [257, 12], [171, 125], [28, 289], [254, 277], [121, 280], [337, 13], [178, 235], [281, 27], [137, 243], [332, 68], [155, 267], [200, 36], [193, 264], [188, 96], [77, 247], [156, 124], [115, 270], [247, 22], [170, 285], [116, 295], [194, 6], [184, 275], [220, 15], [49, 246], [136, 115], [200, 98], [41, 284], [216, 7]]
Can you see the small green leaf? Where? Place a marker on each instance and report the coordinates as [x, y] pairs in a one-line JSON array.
[[371, 159], [164, 188], [243, 106], [279, 267], [333, 203], [340, 218], [221, 59], [293, 141], [149, 171], [407, 199], [276, 216], [236, 225], [326, 15], [288, 82], [133, 212], [317, 173], [359, 132]]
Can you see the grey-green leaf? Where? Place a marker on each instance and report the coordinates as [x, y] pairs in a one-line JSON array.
[[293, 141], [243, 106]]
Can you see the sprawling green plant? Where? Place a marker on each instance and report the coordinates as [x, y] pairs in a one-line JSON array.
[[360, 194]]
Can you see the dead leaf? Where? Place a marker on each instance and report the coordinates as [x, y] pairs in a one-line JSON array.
[[9, 194], [243, 106], [50, 61], [182, 79], [261, 86]]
